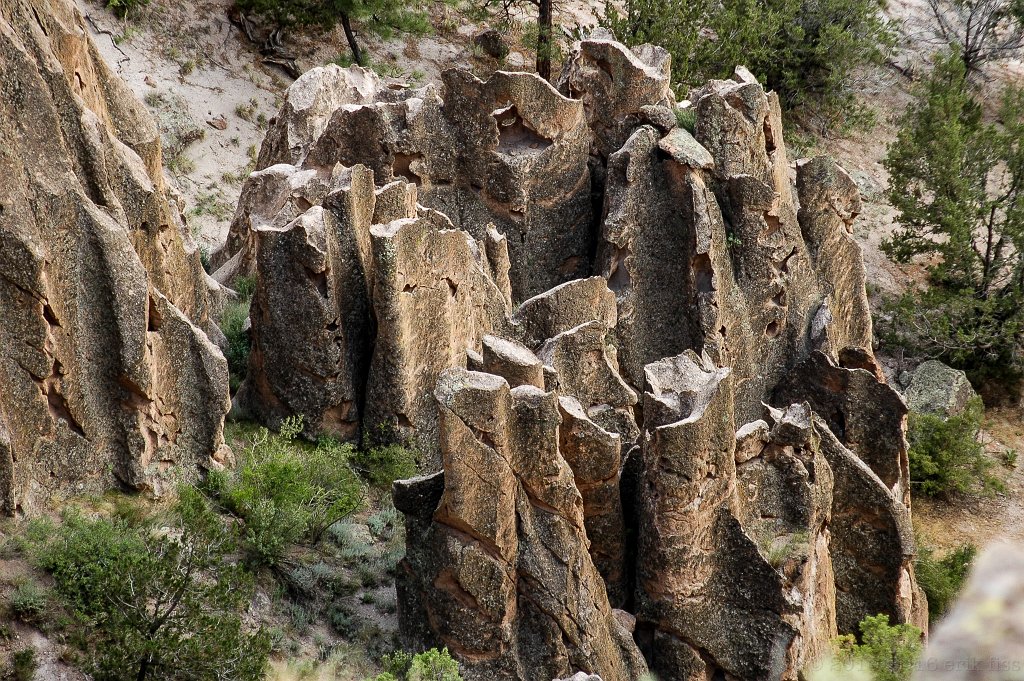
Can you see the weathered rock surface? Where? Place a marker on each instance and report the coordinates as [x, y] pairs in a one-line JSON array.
[[104, 365], [728, 524], [938, 389], [980, 638], [312, 340], [733, 567], [501, 573], [511, 152], [434, 299], [754, 504]]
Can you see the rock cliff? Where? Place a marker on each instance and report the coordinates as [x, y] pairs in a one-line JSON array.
[[636, 360], [105, 368]]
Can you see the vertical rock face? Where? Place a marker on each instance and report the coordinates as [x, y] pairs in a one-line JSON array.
[[434, 300], [697, 434], [501, 574], [313, 312], [103, 362]]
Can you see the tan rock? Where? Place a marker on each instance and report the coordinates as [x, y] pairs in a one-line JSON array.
[[105, 368], [433, 297], [501, 573]]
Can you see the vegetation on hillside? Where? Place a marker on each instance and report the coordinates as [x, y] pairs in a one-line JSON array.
[[942, 579], [957, 183], [154, 598], [248, 567], [382, 18], [808, 51], [285, 493], [979, 31], [889, 651]]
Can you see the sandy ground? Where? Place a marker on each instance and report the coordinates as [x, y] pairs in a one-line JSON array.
[[212, 94]]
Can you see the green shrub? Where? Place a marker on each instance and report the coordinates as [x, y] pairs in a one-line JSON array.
[[385, 523], [945, 455], [434, 665], [28, 602], [889, 651], [383, 465], [943, 578], [806, 50], [232, 323], [24, 664], [156, 604], [286, 493], [396, 664]]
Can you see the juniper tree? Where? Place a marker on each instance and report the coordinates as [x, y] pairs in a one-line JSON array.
[[957, 182]]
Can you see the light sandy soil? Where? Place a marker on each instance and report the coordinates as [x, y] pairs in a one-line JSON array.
[[199, 74]]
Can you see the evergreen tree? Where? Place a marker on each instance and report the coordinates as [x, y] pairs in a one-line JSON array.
[[957, 182]]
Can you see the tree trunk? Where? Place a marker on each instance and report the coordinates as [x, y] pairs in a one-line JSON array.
[[544, 29], [357, 54]]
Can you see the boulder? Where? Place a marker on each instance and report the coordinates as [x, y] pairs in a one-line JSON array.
[[938, 389]]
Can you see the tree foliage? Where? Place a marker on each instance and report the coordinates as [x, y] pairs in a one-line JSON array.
[[382, 18], [980, 31], [156, 603], [890, 651], [957, 183], [945, 455], [806, 50], [286, 493]]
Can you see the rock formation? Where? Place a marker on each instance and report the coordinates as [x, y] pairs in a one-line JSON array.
[[635, 359], [104, 363], [687, 460]]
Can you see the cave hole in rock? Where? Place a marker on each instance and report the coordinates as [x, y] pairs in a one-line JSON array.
[[619, 278], [515, 134], [402, 167], [773, 329], [153, 320], [703, 273]]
